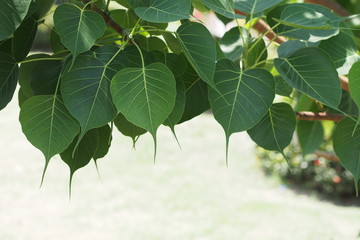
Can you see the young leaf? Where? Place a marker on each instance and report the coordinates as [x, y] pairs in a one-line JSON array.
[[347, 147], [127, 128], [163, 11], [274, 132], [48, 125], [199, 48], [246, 96], [8, 78], [78, 28], [11, 15], [255, 6], [223, 7], [145, 96], [310, 135], [312, 72], [86, 92]]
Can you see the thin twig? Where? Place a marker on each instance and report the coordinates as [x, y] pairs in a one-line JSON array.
[[327, 156], [311, 116]]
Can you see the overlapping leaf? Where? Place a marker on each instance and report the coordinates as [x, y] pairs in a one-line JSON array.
[[127, 128], [354, 83], [24, 38], [103, 142], [232, 43], [11, 15], [275, 130], [347, 147], [310, 135], [145, 96], [8, 78], [312, 72], [163, 11], [223, 7], [199, 48], [48, 125], [78, 28], [254, 6]]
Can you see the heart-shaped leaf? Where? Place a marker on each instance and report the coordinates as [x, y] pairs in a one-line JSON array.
[[347, 147], [8, 78], [145, 96], [11, 15], [163, 11], [312, 72], [199, 48], [48, 125], [245, 96], [78, 28], [275, 130]]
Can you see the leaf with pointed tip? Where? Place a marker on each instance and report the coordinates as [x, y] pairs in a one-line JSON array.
[[86, 88], [8, 78], [199, 48], [312, 72], [84, 152], [48, 125], [255, 6], [103, 143], [223, 7], [275, 130], [145, 96], [342, 50], [127, 128], [78, 28], [347, 147], [11, 15], [24, 38], [310, 135], [246, 96], [164, 11]]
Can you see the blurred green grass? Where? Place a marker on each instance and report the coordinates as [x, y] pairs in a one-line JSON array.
[[185, 195]]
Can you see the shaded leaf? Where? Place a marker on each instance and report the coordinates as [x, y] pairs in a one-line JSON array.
[[127, 128], [257, 53], [172, 42], [282, 88], [275, 130], [354, 83], [55, 42], [232, 44], [289, 47], [223, 7], [8, 78], [44, 77], [150, 43], [24, 38], [312, 72], [347, 147], [255, 6], [310, 135], [103, 142]]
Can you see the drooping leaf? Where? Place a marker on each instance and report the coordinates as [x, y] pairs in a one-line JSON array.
[[163, 11], [354, 83], [145, 96], [246, 96], [282, 88], [274, 132], [84, 152], [232, 43], [254, 6], [8, 78], [223, 7], [103, 143], [310, 135], [86, 89], [11, 15], [48, 125], [199, 48], [312, 72], [127, 128], [78, 28], [44, 77], [24, 38], [347, 147], [342, 50]]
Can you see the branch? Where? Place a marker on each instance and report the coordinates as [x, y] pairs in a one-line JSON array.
[[326, 155], [311, 116], [331, 4]]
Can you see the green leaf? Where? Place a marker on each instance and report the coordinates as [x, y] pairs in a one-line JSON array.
[[125, 18], [199, 48], [282, 88], [310, 135], [232, 44], [8, 78], [245, 96], [257, 53], [255, 6], [274, 132], [127, 128], [312, 72], [172, 42], [354, 83], [342, 50], [163, 11], [176, 63], [78, 28], [196, 92], [145, 96], [11, 15], [289, 47], [223, 7], [103, 142], [81, 156], [44, 77], [347, 147], [86, 89], [48, 125], [150, 43], [24, 38], [55, 42]]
